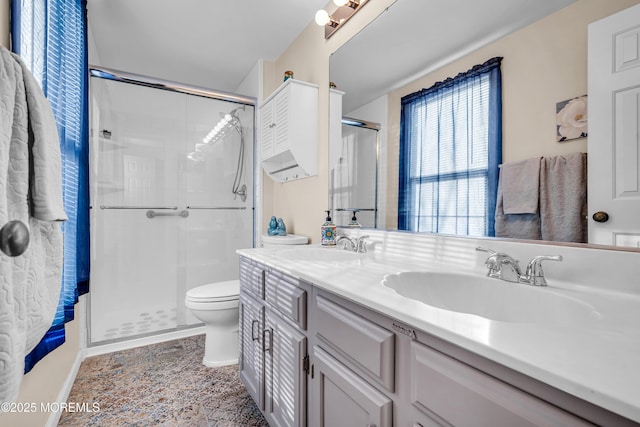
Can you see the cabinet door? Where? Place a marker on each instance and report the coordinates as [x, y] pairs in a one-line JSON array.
[[266, 129], [285, 378], [251, 341], [341, 398], [281, 105]]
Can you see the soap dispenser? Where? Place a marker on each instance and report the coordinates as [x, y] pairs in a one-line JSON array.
[[328, 230], [354, 221]]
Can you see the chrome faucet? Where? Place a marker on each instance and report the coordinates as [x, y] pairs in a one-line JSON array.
[[355, 244], [504, 267]]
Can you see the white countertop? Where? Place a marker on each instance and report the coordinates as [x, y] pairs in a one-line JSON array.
[[598, 362]]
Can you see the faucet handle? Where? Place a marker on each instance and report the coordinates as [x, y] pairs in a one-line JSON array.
[[534, 272], [491, 262], [361, 246]]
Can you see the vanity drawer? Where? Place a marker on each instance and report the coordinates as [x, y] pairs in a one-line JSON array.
[[367, 345], [252, 277], [487, 401], [284, 293]]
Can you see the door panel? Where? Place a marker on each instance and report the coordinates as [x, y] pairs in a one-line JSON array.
[[285, 379], [614, 128], [343, 399], [251, 341]]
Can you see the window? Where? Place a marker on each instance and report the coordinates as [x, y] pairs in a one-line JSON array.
[[450, 149]]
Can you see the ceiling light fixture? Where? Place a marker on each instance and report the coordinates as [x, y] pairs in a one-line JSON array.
[[346, 9]]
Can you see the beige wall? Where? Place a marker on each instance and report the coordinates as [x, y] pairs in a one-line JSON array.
[[301, 203], [46, 380], [4, 23], [544, 63]]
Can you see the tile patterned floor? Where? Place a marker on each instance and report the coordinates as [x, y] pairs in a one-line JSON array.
[[160, 385]]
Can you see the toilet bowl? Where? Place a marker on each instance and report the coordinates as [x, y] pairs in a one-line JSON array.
[[216, 305]]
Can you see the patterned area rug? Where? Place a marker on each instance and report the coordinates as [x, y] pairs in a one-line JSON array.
[[159, 385]]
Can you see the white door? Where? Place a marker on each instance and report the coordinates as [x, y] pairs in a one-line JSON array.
[[614, 129]]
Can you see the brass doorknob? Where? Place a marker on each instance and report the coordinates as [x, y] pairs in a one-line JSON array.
[[600, 216]]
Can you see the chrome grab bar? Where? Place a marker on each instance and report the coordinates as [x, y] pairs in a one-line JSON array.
[[152, 214], [356, 209], [218, 207], [139, 207]]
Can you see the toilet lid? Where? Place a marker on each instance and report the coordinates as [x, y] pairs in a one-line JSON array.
[[218, 291], [289, 239]]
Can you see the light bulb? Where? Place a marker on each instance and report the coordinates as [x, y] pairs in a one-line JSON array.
[[228, 117], [340, 2], [322, 17]]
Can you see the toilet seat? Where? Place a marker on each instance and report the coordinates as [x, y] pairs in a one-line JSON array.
[[215, 292]]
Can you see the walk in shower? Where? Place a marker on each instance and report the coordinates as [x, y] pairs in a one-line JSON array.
[[353, 178], [171, 177]]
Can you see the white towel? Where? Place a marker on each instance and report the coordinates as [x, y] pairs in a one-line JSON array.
[[29, 284], [520, 186], [563, 198], [515, 226], [46, 174]]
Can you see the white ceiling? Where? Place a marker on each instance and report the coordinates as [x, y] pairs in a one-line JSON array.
[[215, 43], [208, 43], [414, 37]]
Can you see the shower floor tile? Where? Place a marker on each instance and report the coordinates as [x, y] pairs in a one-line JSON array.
[[162, 384], [120, 325]]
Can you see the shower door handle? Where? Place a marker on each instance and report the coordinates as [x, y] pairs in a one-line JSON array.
[[152, 214]]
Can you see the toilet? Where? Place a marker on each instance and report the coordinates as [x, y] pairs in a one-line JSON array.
[[216, 305], [277, 241]]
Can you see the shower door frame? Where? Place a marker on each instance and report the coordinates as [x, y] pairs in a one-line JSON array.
[[161, 84]]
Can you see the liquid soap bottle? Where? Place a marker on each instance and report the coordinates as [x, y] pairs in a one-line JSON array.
[[354, 221], [328, 230]]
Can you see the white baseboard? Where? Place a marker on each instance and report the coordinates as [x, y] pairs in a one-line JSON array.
[[63, 395], [138, 342]]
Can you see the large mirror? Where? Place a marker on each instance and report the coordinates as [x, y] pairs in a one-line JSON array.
[[414, 44]]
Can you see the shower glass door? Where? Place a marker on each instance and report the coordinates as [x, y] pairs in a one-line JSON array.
[[163, 219], [353, 184]]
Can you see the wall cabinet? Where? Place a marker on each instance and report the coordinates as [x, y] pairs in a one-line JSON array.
[[289, 131], [311, 357]]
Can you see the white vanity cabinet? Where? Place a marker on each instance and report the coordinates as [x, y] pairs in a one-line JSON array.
[[367, 369], [273, 343]]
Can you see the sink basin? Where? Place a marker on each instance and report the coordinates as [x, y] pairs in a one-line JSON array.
[[491, 298], [320, 254]]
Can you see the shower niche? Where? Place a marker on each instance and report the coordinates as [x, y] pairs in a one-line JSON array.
[[171, 201]]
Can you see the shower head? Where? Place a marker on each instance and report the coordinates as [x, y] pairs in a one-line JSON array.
[[233, 114], [227, 121]]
